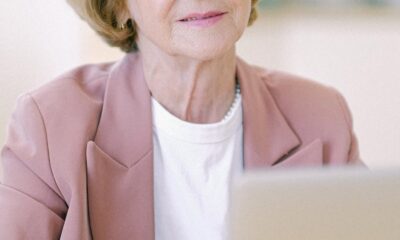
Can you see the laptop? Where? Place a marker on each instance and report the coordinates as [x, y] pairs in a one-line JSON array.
[[316, 204]]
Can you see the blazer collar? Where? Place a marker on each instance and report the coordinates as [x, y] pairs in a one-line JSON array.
[[125, 127]]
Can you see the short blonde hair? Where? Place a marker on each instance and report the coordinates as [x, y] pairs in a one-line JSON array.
[[102, 16]]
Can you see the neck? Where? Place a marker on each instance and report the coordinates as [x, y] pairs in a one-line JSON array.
[[199, 91]]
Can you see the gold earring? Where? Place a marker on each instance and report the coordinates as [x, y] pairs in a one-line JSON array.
[[122, 26]]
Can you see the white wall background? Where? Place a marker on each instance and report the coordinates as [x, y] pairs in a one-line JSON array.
[[357, 52]]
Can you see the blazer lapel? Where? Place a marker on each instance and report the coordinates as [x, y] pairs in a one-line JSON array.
[[308, 156], [125, 128], [267, 136], [120, 159]]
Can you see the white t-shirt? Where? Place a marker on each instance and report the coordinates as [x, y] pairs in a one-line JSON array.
[[194, 165]]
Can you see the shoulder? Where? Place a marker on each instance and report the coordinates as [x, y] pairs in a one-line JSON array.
[[72, 100], [83, 82], [289, 88], [298, 96], [75, 95], [312, 109]]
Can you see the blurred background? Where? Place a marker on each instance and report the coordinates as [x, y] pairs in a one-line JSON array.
[[352, 45]]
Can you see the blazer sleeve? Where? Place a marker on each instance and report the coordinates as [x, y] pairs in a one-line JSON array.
[[31, 205], [353, 152]]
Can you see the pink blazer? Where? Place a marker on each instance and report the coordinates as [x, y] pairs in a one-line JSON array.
[[78, 159]]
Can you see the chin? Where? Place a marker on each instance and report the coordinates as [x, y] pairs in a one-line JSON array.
[[207, 50], [205, 54]]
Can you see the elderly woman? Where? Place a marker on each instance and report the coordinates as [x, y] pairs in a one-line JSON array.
[[146, 148]]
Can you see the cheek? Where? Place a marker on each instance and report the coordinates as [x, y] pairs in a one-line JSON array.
[[242, 10], [153, 20], [154, 9], [151, 16], [143, 11]]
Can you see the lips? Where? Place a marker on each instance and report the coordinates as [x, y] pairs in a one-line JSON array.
[[201, 16]]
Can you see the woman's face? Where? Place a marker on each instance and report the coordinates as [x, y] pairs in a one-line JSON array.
[[167, 24]]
